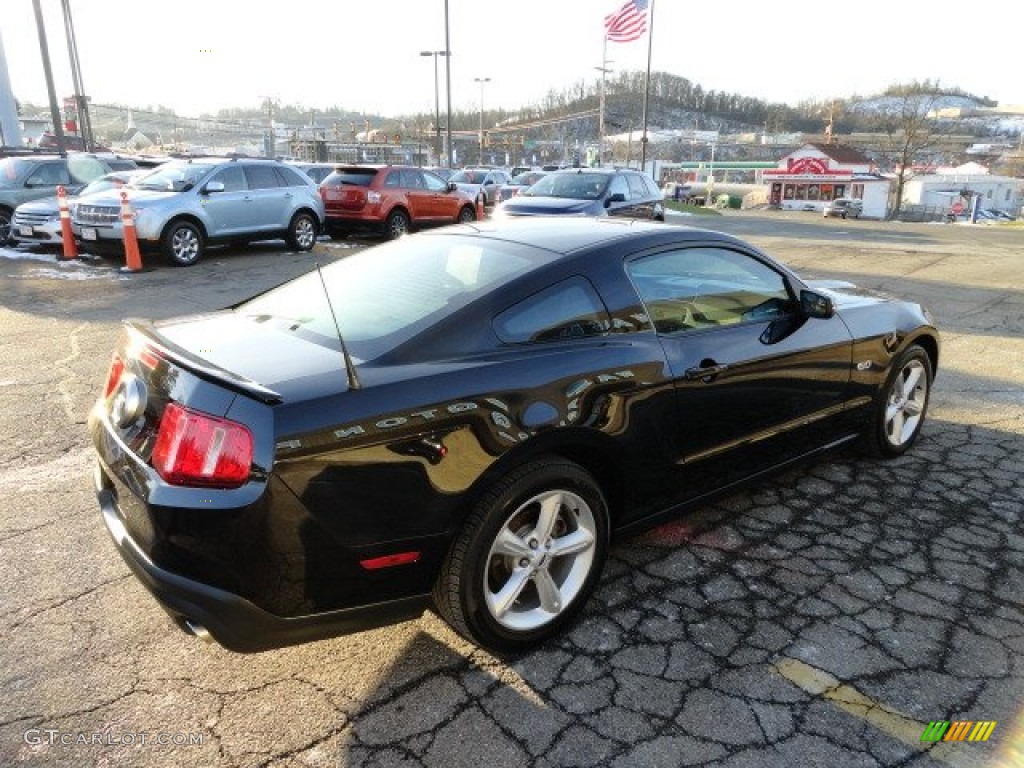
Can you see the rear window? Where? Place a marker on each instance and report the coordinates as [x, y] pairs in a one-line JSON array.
[[375, 313], [359, 177]]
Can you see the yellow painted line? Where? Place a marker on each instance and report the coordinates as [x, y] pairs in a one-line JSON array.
[[847, 698]]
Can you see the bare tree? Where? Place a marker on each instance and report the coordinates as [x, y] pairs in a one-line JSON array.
[[908, 121]]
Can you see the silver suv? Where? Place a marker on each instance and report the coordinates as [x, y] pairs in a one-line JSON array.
[[26, 177], [184, 205], [843, 207]]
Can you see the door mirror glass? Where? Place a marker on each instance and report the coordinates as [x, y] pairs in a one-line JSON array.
[[816, 305]]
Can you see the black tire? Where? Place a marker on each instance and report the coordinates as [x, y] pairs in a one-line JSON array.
[[6, 215], [901, 405], [397, 225], [182, 243], [513, 578], [467, 214], [302, 232]]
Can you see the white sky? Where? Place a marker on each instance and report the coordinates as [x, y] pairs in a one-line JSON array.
[[202, 55]]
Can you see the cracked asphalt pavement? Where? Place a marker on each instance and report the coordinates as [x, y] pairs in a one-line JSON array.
[[823, 617]]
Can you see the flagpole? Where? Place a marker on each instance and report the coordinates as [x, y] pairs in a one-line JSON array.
[[647, 89], [600, 121]]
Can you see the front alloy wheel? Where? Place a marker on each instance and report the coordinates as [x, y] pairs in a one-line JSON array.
[[900, 415], [183, 244], [527, 558]]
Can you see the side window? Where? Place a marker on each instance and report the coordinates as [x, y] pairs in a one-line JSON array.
[[637, 188], [567, 310], [49, 175], [435, 183], [707, 287], [412, 179], [261, 177], [293, 178], [619, 186], [232, 178], [652, 188], [394, 178]]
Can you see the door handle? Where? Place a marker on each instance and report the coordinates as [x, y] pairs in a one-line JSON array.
[[706, 371]]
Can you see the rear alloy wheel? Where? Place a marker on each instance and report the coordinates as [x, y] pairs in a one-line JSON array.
[[397, 225], [182, 243], [527, 559], [467, 214], [900, 411], [302, 232]]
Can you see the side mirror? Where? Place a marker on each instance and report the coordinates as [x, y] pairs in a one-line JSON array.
[[213, 186], [452, 186], [618, 197], [816, 305]]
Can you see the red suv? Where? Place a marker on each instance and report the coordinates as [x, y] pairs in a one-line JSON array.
[[393, 199]]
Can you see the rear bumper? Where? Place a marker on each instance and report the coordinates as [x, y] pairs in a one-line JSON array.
[[234, 622]]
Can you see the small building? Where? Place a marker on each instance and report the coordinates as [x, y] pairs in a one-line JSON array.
[[954, 192], [816, 173]]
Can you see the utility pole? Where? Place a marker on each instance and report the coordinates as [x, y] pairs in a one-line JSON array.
[[81, 101], [58, 129]]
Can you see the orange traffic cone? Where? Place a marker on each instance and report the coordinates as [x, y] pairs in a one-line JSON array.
[[66, 235], [131, 241], [480, 206]]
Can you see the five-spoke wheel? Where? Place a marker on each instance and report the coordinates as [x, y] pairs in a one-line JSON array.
[[901, 408], [527, 558]]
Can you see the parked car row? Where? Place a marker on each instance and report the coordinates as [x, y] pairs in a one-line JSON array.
[[27, 177], [187, 204]]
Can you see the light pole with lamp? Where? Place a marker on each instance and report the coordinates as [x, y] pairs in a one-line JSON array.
[[480, 135], [437, 102]]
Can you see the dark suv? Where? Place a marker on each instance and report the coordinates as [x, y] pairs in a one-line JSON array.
[[26, 177], [589, 192], [392, 199]]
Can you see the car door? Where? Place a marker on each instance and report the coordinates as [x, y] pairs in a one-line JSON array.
[[620, 198], [641, 201], [271, 198], [230, 211], [756, 380], [444, 205], [422, 204]]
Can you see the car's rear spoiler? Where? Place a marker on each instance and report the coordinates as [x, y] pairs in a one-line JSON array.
[[197, 365]]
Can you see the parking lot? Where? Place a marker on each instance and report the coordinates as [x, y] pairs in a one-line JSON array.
[[824, 617]]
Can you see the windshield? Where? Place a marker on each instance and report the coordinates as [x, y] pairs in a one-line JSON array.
[[527, 178], [175, 177], [113, 181], [375, 312], [468, 177], [576, 186]]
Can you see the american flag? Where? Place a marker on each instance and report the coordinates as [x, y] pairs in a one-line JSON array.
[[628, 23]]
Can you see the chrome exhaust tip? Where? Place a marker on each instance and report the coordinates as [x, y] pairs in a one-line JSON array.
[[198, 630]]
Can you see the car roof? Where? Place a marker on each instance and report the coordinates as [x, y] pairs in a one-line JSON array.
[[567, 235]]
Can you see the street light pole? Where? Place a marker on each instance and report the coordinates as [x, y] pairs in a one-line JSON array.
[[437, 102], [480, 135]]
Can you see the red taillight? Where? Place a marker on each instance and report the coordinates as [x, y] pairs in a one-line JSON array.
[[113, 375], [193, 448]]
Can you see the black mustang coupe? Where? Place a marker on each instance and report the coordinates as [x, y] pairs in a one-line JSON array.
[[462, 419]]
